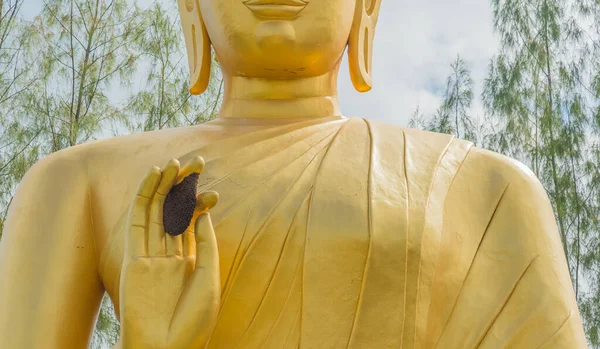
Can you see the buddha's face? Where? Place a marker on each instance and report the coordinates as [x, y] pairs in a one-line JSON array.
[[278, 38]]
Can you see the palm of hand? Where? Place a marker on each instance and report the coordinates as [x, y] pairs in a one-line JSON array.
[[170, 287]]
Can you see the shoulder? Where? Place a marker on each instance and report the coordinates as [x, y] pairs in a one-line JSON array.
[[500, 219], [74, 171], [144, 142], [65, 169], [519, 194], [519, 179], [483, 164], [417, 143], [396, 130], [83, 158], [522, 211]]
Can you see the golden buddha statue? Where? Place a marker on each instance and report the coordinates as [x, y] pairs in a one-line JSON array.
[[330, 232]]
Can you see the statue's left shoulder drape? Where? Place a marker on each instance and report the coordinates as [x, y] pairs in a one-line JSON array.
[[517, 292]]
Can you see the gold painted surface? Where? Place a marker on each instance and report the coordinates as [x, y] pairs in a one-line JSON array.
[[330, 232]]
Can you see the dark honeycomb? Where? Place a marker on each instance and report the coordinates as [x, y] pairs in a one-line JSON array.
[[179, 205]]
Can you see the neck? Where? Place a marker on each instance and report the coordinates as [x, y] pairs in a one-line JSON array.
[[301, 98]]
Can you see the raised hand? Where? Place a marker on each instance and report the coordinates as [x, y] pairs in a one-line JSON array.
[[170, 287]]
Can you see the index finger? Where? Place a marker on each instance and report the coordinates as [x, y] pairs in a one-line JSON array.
[[137, 218]]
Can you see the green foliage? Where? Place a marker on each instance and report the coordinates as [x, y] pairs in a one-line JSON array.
[[107, 328], [165, 100], [59, 75], [16, 150], [86, 47], [452, 116], [458, 99], [539, 86], [542, 105]]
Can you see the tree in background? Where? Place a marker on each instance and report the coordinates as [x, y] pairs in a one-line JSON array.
[[59, 76], [459, 97], [452, 116], [542, 107], [16, 154], [540, 88], [589, 241], [84, 49], [164, 100]]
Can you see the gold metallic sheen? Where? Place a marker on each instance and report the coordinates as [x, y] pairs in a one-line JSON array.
[[329, 232]]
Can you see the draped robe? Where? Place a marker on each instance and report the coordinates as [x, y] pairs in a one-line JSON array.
[[356, 234]]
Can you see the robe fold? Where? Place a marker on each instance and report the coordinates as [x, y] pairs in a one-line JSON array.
[[356, 234]]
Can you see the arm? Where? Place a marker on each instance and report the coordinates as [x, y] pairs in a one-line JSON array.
[[543, 301], [517, 292], [49, 286]]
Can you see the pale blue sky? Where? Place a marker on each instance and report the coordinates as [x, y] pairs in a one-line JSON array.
[[415, 42]]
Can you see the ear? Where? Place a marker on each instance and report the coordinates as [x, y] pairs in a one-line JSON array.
[[197, 44], [360, 43]]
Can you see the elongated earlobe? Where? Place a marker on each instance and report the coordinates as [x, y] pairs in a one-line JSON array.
[[197, 44], [360, 43]]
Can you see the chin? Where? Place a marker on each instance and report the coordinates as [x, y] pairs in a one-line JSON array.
[[277, 59], [283, 70]]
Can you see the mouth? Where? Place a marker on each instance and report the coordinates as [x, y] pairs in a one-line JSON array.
[[274, 9]]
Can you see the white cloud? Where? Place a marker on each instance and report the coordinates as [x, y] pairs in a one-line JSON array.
[[414, 44]]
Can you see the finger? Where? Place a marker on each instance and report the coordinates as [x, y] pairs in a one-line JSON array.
[[206, 200], [138, 212], [174, 245], [156, 233], [195, 165], [170, 172], [135, 241], [206, 243], [189, 242]]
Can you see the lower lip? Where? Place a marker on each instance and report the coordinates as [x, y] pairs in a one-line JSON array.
[[276, 11]]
